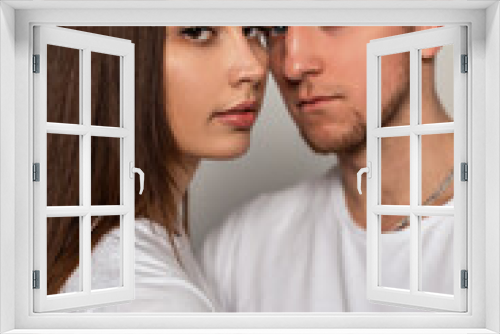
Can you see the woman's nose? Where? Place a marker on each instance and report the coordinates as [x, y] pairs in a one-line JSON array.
[[249, 65]]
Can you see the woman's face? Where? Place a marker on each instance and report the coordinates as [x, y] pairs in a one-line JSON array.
[[215, 80]]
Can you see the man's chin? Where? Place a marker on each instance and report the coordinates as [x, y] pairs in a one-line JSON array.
[[329, 145]]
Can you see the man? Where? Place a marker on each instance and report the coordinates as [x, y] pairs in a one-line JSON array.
[[304, 248]]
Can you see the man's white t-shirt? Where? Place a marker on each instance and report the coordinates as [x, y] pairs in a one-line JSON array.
[[298, 250], [162, 283]]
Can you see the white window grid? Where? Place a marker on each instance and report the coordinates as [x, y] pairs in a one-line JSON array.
[[86, 44], [414, 43]]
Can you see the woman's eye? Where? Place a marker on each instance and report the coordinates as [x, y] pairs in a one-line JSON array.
[[198, 33]]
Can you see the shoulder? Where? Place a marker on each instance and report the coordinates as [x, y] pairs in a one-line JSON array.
[[161, 282], [154, 253]]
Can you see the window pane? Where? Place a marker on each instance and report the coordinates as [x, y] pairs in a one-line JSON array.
[[394, 241], [437, 169], [106, 252], [105, 155], [395, 170], [436, 235], [394, 89], [105, 89], [63, 85], [437, 78], [63, 255], [63, 170]]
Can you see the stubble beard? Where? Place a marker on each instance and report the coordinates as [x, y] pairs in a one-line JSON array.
[[352, 140]]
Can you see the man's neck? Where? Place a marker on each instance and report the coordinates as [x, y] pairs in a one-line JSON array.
[[437, 162]]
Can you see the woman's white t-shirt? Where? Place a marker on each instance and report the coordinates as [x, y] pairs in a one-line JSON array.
[[162, 284]]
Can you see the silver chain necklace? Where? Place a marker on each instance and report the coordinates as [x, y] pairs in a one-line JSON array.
[[405, 222]]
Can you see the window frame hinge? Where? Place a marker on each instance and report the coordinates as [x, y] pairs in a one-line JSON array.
[[36, 172], [464, 64], [464, 171], [464, 279], [36, 63], [36, 279]]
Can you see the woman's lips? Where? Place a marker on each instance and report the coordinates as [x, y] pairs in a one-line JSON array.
[[242, 115], [238, 119]]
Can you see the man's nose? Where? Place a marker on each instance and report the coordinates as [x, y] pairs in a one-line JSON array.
[[301, 57]]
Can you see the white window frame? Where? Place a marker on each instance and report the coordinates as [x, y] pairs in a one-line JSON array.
[[483, 21], [85, 43], [413, 43]]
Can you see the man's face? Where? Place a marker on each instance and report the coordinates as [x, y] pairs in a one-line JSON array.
[[321, 72]]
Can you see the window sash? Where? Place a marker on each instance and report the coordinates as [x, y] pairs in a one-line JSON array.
[[413, 42], [85, 43]]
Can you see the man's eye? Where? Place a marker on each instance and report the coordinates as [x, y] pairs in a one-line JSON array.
[[198, 33], [277, 30]]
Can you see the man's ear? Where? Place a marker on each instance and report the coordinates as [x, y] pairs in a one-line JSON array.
[[431, 52]]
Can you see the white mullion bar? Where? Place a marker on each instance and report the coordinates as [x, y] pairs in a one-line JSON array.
[[414, 167], [67, 211], [108, 210], [127, 107], [81, 130], [86, 169], [80, 168], [122, 225], [372, 220], [419, 210], [40, 156], [67, 129], [80, 211], [427, 210], [434, 129], [416, 127], [108, 131], [392, 210], [375, 199], [392, 131]]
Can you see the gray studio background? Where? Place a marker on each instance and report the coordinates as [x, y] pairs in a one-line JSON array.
[[277, 159]]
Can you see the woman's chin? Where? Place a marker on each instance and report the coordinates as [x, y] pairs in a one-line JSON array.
[[227, 155], [229, 151]]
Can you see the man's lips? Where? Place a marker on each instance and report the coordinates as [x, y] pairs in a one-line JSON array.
[[315, 102], [243, 115]]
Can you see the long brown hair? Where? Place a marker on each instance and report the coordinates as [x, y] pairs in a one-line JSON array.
[[156, 152]]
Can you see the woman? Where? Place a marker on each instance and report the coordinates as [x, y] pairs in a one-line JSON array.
[[198, 93]]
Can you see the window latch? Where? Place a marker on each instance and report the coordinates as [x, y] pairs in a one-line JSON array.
[[368, 171], [133, 170]]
